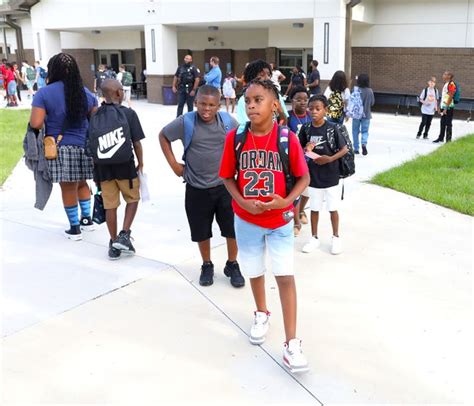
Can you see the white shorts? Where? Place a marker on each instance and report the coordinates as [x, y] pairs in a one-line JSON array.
[[330, 195], [127, 92], [305, 192]]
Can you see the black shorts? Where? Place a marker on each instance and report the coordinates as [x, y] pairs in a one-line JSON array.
[[201, 207]]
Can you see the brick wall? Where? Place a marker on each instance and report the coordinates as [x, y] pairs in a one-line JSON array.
[[406, 70], [84, 59]]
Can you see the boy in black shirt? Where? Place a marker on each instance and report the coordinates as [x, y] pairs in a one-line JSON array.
[[324, 146], [120, 178]]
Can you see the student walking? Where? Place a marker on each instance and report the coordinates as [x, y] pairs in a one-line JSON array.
[[100, 76], [10, 85], [314, 79], [63, 106], [449, 96], [41, 75], [115, 171], [338, 94], [126, 79], [29, 77], [277, 77], [362, 100], [298, 78], [228, 90], [299, 116], [324, 145], [252, 169], [18, 80], [429, 105], [203, 135]]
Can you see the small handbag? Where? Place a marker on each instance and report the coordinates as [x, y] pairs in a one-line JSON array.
[[51, 146], [98, 213]]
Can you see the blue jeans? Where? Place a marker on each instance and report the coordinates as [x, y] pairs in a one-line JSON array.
[[360, 126]]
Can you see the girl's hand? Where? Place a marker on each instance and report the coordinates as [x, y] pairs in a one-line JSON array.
[[277, 202], [323, 160], [309, 147], [252, 206]]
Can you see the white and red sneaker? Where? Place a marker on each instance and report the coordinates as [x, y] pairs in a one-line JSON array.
[[259, 328], [293, 357]]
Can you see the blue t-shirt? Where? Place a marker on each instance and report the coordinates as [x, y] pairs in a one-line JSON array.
[[51, 98], [295, 122]]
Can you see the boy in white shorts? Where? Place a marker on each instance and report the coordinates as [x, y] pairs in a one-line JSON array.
[[324, 146]]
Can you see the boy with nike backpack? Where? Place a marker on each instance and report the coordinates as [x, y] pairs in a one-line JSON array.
[[114, 135]]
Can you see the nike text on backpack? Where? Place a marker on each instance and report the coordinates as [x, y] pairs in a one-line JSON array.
[[283, 144], [109, 140], [30, 73], [127, 79], [190, 122], [356, 107], [335, 105]]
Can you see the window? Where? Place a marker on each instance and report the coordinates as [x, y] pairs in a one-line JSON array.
[[153, 46]]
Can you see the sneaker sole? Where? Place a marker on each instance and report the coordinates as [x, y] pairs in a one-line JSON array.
[[121, 247], [235, 285], [113, 259], [88, 228], [77, 237], [293, 370], [256, 341], [206, 284]]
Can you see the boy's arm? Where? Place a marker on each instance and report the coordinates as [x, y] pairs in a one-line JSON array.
[[137, 146], [177, 167], [251, 205], [325, 159]]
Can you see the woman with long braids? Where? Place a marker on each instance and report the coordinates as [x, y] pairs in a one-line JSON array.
[[63, 107]]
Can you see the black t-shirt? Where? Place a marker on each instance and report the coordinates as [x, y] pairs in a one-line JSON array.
[[186, 74], [314, 75], [322, 176], [297, 79], [127, 170], [100, 77]]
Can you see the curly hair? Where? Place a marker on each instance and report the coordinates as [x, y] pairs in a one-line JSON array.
[[63, 68], [254, 68], [363, 80], [318, 98], [338, 81], [297, 89], [266, 84]]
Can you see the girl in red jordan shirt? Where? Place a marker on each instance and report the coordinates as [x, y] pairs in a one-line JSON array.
[[263, 212]]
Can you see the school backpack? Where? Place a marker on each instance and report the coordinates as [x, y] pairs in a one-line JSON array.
[[283, 144], [457, 93], [127, 79], [425, 94], [356, 107], [190, 122], [109, 140], [335, 105], [30, 73], [43, 74], [347, 162]]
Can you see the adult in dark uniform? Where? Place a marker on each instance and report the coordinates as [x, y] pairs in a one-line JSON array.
[[185, 83]]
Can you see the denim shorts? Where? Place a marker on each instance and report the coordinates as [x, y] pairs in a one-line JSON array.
[[254, 241]]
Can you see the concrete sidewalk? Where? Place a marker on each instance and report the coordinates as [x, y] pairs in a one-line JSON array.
[[388, 321]]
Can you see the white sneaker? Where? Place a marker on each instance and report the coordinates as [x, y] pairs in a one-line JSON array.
[[311, 245], [259, 328], [293, 357], [336, 247]]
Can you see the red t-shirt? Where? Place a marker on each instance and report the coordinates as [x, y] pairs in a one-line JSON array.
[[261, 173]]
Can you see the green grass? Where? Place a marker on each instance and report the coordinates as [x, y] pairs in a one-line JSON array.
[[12, 131], [444, 177]]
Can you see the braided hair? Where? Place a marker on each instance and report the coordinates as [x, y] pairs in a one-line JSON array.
[[63, 67], [266, 84], [254, 68]]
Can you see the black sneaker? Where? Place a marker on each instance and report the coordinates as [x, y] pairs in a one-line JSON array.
[[74, 233], [364, 150], [87, 224], [425, 137], [124, 243], [207, 274], [437, 140], [232, 270], [418, 136], [114, 253], [356, 152]]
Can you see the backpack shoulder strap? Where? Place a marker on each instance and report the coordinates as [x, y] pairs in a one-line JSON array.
[[239, 141], [284, 148], [189, 121], [426, 93], [226, 120]]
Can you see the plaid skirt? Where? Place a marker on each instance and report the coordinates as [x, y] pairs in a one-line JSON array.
[[71, 165]]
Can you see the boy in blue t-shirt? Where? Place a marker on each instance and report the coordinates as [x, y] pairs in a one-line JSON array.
[[298, 116]]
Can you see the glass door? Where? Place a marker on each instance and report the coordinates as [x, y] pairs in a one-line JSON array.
[[288, 59]]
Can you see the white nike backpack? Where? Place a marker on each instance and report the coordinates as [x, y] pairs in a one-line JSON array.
[[109, 139]]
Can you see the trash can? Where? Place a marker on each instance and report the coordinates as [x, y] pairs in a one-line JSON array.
[[169, 98]]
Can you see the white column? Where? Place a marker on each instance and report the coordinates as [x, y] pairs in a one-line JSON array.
[[329, 36], [161, 49], [46, 44]]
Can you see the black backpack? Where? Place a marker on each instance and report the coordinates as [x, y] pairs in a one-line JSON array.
[[109, 140], [283, 144], [347, 162]]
